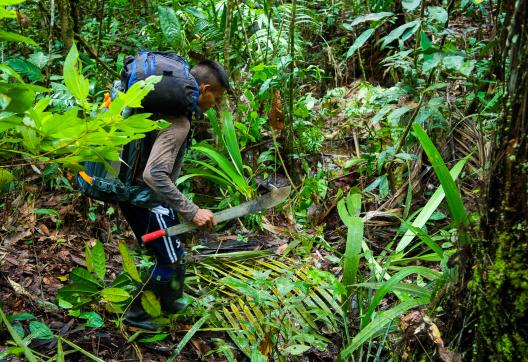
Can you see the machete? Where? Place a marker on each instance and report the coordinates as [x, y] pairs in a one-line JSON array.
[[266, 201]]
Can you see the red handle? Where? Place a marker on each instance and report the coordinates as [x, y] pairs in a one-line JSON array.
[[154, 235]]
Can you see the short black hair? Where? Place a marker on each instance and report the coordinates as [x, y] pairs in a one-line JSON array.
[[210, 72]]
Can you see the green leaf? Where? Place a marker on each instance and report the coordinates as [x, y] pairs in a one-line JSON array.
[[378, 324], [13, 37], [437, 14], [81, 276], [75, 82], [39, 330], [9, 14], [16, 337], [171, 28], [128, 264], [296, 349], [115, 295], [99, 259], [410, 5], [6, 178], [399, 31], [46, 212], [39, 59], [355, 231], [432, 62], [22, 317], [370, 17], [19, 97], [150, 304], [454, 199], [26, 68], [10, 2], [155, 338], [429, 208], [88, 257], [360, 40], [93, 319], [389, 285], [231, 142], [425, 43]]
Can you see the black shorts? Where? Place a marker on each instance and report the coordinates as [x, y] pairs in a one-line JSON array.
[[167, 249]]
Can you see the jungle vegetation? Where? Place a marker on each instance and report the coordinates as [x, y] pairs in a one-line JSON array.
[[401, 126]]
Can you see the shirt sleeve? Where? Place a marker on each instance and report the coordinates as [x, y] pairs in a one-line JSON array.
[[161, 166]]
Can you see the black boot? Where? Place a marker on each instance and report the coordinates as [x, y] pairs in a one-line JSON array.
[[136, 315], [170, 292]]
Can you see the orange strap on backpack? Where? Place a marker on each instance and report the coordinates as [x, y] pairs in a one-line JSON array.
[[86, 177]]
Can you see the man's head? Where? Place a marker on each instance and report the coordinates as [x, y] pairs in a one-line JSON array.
[[212, 82]]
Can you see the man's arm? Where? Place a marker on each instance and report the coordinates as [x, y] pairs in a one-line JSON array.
[[159, 168]]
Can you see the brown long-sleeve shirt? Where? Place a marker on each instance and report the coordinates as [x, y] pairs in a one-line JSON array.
[[164, 165]]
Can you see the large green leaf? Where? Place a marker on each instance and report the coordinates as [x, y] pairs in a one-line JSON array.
[[400, 31], [371, 17], [231, 142], [13, 37], [171, 28], [81, 276], [99, 259], [128, 263], [115, 294], [454, 199], [26, 68], [360, 40], [19, 97], [75, 82], [150, 303]]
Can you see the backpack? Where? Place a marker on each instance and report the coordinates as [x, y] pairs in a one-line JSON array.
[[176, 94]]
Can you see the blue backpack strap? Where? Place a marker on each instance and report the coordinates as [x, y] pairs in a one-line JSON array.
[[133, 75]]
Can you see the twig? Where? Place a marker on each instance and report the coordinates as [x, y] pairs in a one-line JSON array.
[[282, 161], [92, 53]]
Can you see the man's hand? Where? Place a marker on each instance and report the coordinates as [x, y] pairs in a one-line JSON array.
[[203, 218]]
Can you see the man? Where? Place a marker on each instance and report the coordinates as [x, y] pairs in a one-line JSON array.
[[162, 169]]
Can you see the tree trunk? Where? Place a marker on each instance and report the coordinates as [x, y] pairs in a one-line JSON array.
[[66, 23], [501, 273]]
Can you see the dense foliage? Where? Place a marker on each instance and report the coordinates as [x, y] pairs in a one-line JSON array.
[[379, 114]]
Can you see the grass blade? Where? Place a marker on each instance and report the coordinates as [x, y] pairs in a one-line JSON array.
[[429, 207], [188, 337], [378, 323], [395, 279], [81, 350]]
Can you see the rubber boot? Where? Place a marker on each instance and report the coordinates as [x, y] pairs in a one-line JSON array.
[[170, 292], [136, 315]]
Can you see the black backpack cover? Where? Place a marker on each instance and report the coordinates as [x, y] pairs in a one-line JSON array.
[[177, 92]]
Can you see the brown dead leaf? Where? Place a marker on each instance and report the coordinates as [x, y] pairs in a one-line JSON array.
[[276, 117], [265, 346], [281, 249], [14, 238], [43, 229]]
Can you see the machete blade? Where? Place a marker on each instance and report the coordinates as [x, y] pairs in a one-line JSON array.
[[264, 202]]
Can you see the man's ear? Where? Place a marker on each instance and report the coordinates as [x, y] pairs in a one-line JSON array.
[[203, 88]]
